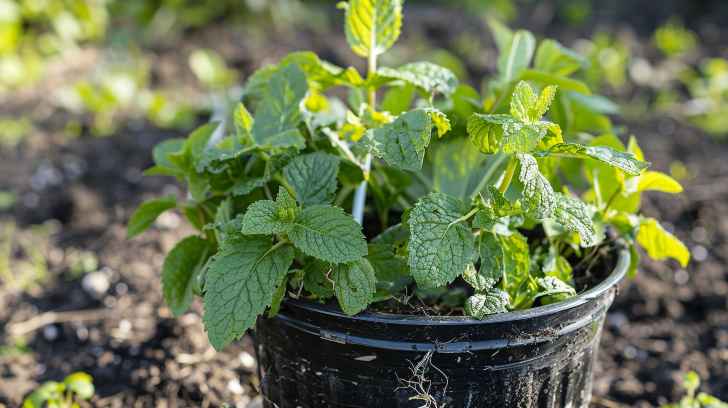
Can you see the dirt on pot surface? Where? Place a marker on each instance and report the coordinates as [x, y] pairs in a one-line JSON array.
[[70, 249]]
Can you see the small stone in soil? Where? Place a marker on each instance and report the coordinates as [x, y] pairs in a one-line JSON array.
[[699, 234], [700, 253], [616, 320], [682, 277], [96, 284], [121, 288], [82, 333], [235, 387], [50, 332], [247, 360]]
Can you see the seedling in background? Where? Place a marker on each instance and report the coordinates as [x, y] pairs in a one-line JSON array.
[[693, 399], [503, 196], [67, 394]]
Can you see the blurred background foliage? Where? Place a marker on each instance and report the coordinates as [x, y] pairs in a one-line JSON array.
[[670, 74]]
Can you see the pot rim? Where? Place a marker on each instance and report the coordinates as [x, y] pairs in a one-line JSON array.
[[592, 294]]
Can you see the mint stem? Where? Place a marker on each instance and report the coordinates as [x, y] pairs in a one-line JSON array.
[[508, 176], [357, 211]]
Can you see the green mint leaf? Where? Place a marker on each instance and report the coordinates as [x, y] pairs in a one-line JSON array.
[[709, 401], [313, 177], [145, 215], [386, 255], [440, 120], [456, 168], [543, 103], [241, 280], [653, 181], [322, 75], [266, 217], [47, 392], [516, 258], [553, 290], [661, 244], [517, 56], [430, 78], [278, 296], [329, 234], [538, 195], [192, 153], [477, 281], [574, 215], [179, 270], [80, 384], [557, 266], [243, 121], [278, 116], [503, 133], [552, 285], [217, 159], [402, 143], [256, 84], [491, 302], [553, 135], [163, 166], [354, 285], [486, 131], [528, 107], [522, 102], [262, 218], [372, 26], [391, 269], [635, 149], [691, 382], [398, 99], [492, 263], [499, 203], [621, 160], [193, 147], [317, 278], [245, 185], [485, 219], [554, 58], [502, 258], [502, 35], [224, 224], [440, 247], [198, 187]]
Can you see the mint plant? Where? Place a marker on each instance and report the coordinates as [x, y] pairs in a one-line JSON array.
[[503, 196], [75, 387], [694, 399]]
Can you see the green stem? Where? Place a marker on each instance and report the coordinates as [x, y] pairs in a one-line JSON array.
[[360, 196], [508, 176], [343, 193], [372, 69], [612, 198], [493, 166], [465, 217]]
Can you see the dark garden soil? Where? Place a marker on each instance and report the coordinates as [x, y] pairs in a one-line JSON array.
[[111, 322]]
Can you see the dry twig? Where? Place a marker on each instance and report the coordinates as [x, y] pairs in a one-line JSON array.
[[36, 322]]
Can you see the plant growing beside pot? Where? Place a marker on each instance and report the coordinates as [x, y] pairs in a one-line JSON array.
[[495, 226]]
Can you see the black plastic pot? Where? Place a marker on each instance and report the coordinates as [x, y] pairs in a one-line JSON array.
[[314, 356]]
